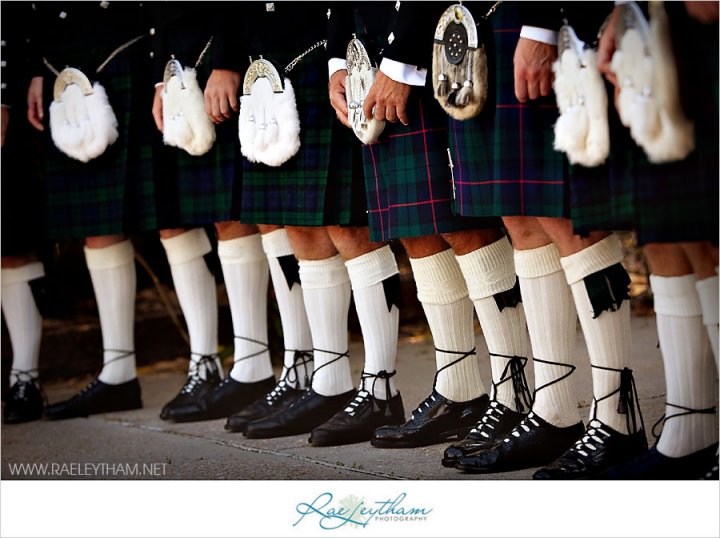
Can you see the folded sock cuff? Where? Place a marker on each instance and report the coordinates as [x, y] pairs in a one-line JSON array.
[[247, 249], [321, 274], [110, 257], [537, 262], [707, 290], [438, 278], [24, 273], [371, 268], [675, 295], [187, 246], [489, 270], [276, 244], [592, 259]]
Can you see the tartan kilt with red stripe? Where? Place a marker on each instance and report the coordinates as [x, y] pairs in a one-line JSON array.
[[407, 176], [504, 162]]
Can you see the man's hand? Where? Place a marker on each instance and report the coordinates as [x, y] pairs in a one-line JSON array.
[[533, 69], [338, 99], [157, 107], [5, 121], [35, 103], [606, 48], [705, 12], [221, 94], [387, 100]]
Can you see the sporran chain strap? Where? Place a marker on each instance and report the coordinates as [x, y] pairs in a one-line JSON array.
[[204, 51], [297, 60]]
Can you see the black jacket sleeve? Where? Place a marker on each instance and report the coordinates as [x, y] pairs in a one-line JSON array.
[[412, 32]]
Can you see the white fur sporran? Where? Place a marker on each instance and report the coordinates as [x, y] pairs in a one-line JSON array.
[[361, 75], [186, 124], [459, 65], [82, 122], [269, 124], [581, 130], [649, 98]]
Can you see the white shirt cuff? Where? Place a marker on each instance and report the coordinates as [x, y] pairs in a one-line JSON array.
[[405, 73], [336, 64], [543, 35]]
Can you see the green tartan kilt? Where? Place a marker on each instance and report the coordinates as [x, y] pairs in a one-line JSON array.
[[313, 188], [199, 190], [407, 177], [672, 202], [114, 193], [504, 162]]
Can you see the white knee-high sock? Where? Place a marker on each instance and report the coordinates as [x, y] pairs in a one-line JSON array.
[[295, 326], [442, 291], [607, 335], [551, 321], [22, 317], [707, 290], [112, 271], [689, 368], [488, 271], [379, 324], [196, 293], [326, 289], [245, 269]]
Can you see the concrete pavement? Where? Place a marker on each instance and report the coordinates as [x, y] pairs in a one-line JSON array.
[[205, 451]]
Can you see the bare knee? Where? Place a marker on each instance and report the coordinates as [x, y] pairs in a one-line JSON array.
[[233, 229], [421, 247]]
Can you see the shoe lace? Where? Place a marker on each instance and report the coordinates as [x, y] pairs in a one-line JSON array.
[[358, 401], [592, 442], [277, 392], [688, 411], [527, 424], [24, 379], [628, 400], [301, 358], [427, 402], [384, 375], [714, 469], [516, 367], [488, 421], [194, 380], [263, 349], [337, 357]]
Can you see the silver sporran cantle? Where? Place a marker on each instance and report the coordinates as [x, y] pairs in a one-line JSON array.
[[269, 124], [360, 78], [82, 122]]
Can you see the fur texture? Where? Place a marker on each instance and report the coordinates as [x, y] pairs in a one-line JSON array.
[[357, 87], [464, 102], [269, 124], [83, 126], [186, 125], [649, 101], [581, 130]]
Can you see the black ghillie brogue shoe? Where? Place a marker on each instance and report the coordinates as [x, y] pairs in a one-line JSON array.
[[602, 447], [25, 400], [532, 443], [96, 398], [195, 387], [306, 412], [498, 420], [281, 396], [361, 417]]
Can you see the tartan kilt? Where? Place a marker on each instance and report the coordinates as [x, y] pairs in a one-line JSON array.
[[114, 193], [21, 186], [313, 188], [504, 160], [199, 190], [603, 197], [407, 176], [672, 202]]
